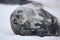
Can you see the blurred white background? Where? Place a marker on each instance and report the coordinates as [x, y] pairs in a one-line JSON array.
[[52, 6], [54, 3]]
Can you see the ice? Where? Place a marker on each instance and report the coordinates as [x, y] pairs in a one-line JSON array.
[[17, 37]]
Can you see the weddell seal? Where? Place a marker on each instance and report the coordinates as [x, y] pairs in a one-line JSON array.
[[32, 19]]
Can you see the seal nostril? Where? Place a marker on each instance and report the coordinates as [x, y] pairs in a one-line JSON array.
[[17, 16]]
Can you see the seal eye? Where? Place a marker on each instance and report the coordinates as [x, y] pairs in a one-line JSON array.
[[20, 11], [15, 21]]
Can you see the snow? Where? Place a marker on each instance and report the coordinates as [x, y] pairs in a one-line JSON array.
[[5, 29], [17, 37]]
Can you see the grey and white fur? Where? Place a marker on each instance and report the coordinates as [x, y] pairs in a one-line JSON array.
[[32, 19]]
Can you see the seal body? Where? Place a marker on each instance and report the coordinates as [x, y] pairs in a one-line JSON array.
[[32, 19]]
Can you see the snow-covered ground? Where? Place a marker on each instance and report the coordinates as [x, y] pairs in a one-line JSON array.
[[5, 29]]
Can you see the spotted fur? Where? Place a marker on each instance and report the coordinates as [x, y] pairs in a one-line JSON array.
[[32, 19]]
